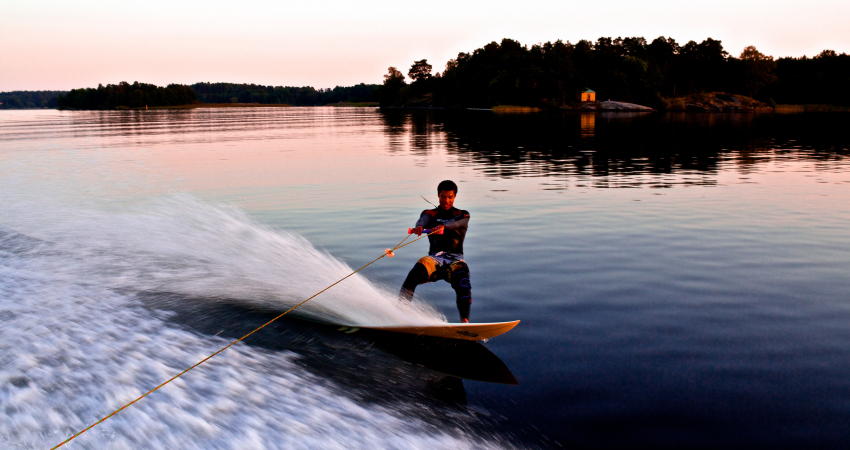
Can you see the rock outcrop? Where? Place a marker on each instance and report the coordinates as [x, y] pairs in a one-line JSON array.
[[614, 106], [609, 106], [717, 102]]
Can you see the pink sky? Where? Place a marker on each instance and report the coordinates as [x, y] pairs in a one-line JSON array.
[[51, 44]]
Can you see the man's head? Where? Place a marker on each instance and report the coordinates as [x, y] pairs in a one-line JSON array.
[[447, 190]]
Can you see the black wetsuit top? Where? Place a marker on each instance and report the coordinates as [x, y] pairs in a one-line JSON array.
[[454, 220]]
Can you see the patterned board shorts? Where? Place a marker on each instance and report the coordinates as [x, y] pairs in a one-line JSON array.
[[441, 265]]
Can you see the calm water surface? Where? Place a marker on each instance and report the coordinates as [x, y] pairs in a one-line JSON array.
[[682, 280]]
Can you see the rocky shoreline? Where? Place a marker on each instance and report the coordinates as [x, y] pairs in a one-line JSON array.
[[717, 102], [713, 102], [612, 106]]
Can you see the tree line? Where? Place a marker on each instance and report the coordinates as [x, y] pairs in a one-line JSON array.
[[628, 69], [549, 74], [140, 95], [126, 95], [289, 95], [823, 79], [29, 99]]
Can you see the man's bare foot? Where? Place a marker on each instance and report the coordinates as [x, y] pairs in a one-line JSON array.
[[464, 320]]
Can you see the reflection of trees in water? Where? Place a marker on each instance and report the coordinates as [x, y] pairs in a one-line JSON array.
[[621, 149], [218, 124], [395, 128], [423, 130], [418, 128]]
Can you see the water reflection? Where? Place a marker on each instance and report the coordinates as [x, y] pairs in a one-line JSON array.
[[599, 149], [588, 125], [619, 149], [202, 125]]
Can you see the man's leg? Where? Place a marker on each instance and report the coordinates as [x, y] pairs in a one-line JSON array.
[[421, 273], [463, 288]]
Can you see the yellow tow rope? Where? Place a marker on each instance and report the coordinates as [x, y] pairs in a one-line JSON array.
[[388, 252]]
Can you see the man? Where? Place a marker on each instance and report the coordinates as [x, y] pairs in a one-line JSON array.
[[445, 257]]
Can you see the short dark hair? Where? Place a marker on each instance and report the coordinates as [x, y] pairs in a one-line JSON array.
[[447, 185]]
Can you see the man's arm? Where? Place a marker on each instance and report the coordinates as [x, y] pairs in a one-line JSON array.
[[423, 219], [422, 222], [460, 221]]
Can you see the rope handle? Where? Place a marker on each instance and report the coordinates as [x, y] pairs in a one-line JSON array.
[[426, 231]]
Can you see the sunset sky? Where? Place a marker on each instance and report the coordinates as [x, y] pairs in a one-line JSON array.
[[51, 44]]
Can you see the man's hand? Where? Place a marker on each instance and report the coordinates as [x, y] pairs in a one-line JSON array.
[[438, 229], [417, 231]]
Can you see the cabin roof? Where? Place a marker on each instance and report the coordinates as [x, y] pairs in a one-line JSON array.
[[588, 90]]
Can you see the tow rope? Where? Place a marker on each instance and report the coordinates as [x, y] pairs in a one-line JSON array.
[[387, 252]]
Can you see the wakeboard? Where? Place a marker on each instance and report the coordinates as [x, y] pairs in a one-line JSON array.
[[462, 331]]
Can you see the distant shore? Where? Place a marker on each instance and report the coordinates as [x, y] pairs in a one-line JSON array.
[[811, 108], [608, 106], [246, 105]]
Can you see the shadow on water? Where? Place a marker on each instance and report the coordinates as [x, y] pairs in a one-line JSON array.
[[373, 366]]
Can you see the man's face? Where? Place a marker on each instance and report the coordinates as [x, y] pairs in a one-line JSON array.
[[447, 199]]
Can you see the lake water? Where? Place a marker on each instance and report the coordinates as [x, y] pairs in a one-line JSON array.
[[683, 281]]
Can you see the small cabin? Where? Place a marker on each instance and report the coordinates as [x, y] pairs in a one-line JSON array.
[[587, 95]]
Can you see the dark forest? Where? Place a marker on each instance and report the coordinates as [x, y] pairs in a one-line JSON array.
[[126, 95], [141, 95], [295, 96], [623, 69], [29, 99]]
